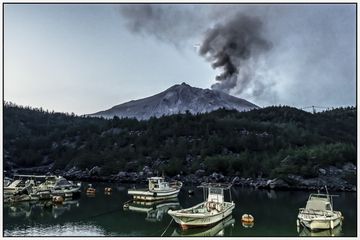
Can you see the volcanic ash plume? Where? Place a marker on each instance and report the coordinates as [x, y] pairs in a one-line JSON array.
[[230, 46]]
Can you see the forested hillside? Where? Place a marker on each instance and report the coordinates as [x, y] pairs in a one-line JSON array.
[[267, 142]]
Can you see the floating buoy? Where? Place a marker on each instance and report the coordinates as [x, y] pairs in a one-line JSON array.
[[91, 190], [247, 218], [107, 189], [58, 199], [247, 224], [191, 192]]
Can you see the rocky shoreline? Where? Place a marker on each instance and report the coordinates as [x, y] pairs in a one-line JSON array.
[[335, 179]]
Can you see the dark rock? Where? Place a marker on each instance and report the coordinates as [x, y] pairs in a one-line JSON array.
[[334, 170], [95, 171], [236, 180], [349, 167], [121, 174], [200, 173], [277, 183]]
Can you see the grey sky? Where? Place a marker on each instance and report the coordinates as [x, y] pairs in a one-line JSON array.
[[85, 58]]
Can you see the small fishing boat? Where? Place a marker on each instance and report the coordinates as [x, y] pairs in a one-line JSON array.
[[38, 187], [59, 186], [14, 186], [209, 212], [318, 213], [158, 189]]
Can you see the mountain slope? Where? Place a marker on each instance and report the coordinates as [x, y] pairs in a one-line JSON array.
[[177, 99]]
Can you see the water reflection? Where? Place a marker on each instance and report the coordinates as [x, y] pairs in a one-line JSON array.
[[155, 211], [217, 230], [305, 232], [68, 229], [67, 205], [104, 215], [27, 209]]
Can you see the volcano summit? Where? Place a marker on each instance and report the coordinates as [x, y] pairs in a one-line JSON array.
[[176, 99]]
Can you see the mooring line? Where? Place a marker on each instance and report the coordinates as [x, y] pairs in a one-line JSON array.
[[167, 227]]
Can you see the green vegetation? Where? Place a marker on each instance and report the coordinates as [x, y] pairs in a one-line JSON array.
[[266, 142]]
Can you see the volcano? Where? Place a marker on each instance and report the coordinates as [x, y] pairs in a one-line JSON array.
[[176, 99]]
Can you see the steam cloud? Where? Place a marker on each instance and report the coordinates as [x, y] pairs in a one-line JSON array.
[[229, 45]]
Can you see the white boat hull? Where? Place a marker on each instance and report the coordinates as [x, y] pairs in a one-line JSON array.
[[145, 195], [321, 224], [216, 230], [316, 222], [188, 220]]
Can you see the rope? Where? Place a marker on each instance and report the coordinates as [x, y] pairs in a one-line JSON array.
[[104, 213], [167, 227]]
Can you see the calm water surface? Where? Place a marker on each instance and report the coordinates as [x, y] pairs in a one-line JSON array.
[[103, 215]]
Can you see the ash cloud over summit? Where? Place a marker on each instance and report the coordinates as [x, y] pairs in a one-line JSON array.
[[229, 45], [268, 53]]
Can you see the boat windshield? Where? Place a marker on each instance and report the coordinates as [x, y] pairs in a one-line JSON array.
[[216, 195], [62, 182], [318, 204]]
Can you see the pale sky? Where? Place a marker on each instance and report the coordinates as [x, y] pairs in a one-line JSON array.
[[84, 58]]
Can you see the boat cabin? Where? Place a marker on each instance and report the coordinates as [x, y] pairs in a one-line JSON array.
[[158, 183], [214, 192], [321, 202]]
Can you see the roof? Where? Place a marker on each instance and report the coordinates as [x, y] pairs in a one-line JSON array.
[[321, 197], [155, 178], [33, 176], [215, 185]]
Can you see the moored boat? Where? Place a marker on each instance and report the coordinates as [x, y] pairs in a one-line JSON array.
[[37, 187], [209, 212], [319, 214], [158, 189]]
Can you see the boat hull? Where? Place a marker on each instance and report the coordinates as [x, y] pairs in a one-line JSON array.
[[215, 230], [321, 224], [318, 222], [144, 195], [200, 220]]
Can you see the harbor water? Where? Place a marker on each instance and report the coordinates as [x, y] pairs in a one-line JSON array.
[[102, 214]]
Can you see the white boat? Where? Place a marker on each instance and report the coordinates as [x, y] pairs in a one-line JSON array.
[[34, 187], [59, 186], [14, 186], [157, 189], [209, 212], [319, 214]]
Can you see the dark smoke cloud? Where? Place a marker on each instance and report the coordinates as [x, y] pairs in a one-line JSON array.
[[273, 53], [167, 22], [230, 44]]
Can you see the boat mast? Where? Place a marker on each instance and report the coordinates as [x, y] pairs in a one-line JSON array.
[[230, 195]]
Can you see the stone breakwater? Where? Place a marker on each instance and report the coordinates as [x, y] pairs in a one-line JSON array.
[[335, 179]]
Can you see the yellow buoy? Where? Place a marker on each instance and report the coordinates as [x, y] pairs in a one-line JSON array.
[[91, 190], [247, 218]]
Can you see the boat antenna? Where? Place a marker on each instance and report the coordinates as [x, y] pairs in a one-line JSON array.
[[326, 190], [230, 195]]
